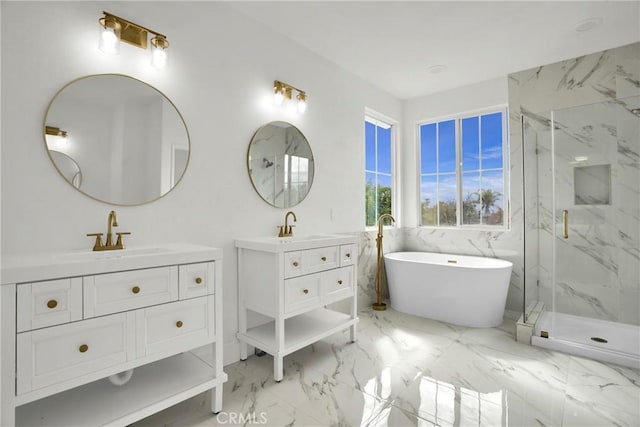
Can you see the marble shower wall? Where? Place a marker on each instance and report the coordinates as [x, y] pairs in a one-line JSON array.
[[590, 103]]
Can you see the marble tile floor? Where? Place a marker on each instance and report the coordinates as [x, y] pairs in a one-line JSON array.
[[409, 371]]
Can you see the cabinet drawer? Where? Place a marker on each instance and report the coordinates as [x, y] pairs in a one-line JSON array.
[[337, 284], [319, 259], [301, 292], [43, 304], [347, 255], [52, 355], [127, 290], [171, 328], [196, 280], [310, 261], [292, 264]]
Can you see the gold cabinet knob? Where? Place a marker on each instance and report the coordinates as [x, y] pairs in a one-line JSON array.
[[52, 303], [198, 280], [179, 324], [135, 289], [83, 348], [339, 282], [295, 263], [324, 258], [306, 291]]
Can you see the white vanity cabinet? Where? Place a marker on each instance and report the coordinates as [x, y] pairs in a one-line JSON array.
[[292, 280], [70, 321]]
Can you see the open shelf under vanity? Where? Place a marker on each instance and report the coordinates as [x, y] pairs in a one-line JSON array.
[[300, 331], [153, 387]]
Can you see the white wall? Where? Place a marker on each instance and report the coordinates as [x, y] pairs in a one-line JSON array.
[[220, 73]]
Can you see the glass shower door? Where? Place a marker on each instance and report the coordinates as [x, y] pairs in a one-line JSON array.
[[596, 211]]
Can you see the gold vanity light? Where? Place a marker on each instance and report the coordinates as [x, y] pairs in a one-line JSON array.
[[283, 91], [115, 29]]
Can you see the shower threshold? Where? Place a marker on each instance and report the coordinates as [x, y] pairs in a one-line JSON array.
[[602, 340]]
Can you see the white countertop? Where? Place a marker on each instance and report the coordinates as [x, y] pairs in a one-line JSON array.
[[20, 268], [294, 243]]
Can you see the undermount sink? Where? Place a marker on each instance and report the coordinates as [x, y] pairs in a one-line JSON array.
[[119, 253], [290, 239], [292, 243], [20, 267]]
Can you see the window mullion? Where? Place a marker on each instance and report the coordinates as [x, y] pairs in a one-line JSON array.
[[377, 173], [480, 166], [438, 174], [458, 139]]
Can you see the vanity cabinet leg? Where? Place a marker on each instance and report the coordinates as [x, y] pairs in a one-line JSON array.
[[216, 399], [243, 350], [352, 333], [278, 368]]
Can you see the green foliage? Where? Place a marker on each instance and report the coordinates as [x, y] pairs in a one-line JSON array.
[[472, 206], [374, 209]]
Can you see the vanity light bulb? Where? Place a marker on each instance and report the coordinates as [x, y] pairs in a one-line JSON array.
[[278, 97], [109, 42], [158, 57], [302, 105]]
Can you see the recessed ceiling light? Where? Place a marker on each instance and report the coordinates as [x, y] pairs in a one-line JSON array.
[[435, 69], [588, 24]]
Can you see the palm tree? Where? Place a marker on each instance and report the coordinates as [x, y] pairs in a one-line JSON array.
[[488, 199]]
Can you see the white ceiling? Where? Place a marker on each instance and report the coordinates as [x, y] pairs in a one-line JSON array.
[[392, 44]]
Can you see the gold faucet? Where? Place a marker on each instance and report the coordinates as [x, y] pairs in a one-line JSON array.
[[286, 230], [379, 305], [112, 221]]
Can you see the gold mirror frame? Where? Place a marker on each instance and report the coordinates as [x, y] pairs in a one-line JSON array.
[[277, 155], [48, 125]]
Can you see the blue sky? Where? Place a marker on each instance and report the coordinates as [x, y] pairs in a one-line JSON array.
[[481, 139]]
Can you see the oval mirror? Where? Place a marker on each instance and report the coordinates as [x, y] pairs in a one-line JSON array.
[[280, 164], [129, 140]]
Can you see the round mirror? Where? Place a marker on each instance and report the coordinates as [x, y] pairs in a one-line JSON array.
[[129, 140], [67, 167], [280, 164]]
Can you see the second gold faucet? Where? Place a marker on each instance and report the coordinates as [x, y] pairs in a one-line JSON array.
[[112, 221], [286, 230]]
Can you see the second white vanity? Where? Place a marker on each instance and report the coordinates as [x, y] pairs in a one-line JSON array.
[[72, 320], [292, 280]]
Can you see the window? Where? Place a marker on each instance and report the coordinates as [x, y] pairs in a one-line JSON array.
[[462, 171], [379, 137]]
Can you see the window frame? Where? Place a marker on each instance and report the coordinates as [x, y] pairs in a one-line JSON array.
[[506, 168], [374, 118]]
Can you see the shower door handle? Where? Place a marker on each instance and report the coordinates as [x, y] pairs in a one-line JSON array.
[[565, 224]]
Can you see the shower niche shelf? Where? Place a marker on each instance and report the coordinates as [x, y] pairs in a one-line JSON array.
[[592, 185]]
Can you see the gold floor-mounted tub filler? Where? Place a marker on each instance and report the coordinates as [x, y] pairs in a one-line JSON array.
[[379, 305]]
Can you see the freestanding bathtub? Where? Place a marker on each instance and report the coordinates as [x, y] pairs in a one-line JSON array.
[[463, 290]]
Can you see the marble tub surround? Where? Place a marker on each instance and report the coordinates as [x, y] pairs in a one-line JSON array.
[[406, 370]]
